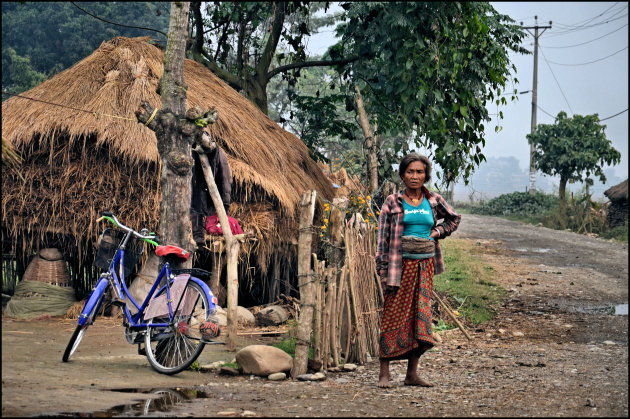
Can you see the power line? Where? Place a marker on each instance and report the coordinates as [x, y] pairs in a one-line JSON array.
[[588, 42], [114, 23], [554, 77], [617, 114], [577, 25], [590, 62], [545, 112], [586, 27]]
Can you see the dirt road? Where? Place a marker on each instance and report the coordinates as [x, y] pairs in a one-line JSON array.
[[555, 349]]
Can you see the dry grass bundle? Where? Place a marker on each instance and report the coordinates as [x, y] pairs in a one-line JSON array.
[[75, 309]]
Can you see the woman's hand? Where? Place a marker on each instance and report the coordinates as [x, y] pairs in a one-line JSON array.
[[434, 234]]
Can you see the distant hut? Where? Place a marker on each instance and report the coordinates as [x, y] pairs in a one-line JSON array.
[[83, 152], [618, 209]]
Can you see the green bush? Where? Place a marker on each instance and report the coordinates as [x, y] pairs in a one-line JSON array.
[[518, 203]]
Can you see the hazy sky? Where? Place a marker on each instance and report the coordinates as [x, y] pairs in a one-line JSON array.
[[582, 69]]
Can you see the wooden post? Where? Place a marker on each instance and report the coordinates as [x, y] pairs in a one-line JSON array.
[[232, 247], [305, 284], [317, 322]]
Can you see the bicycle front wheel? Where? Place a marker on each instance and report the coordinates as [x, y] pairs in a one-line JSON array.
[[173, 348], [86, 318]]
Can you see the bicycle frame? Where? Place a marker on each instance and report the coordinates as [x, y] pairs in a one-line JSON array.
[[120, 288]]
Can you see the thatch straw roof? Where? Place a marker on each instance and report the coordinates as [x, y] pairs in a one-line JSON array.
[[618, 192], [91, 154]]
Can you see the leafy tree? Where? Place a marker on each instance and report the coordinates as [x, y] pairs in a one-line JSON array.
[[572, 148], [428, 69], [19, 73], [246, 44]]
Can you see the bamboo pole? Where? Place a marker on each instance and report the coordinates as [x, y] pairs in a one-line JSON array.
[[232, 247], [317, 322], [450, 313], [305, 283], [333, 318]]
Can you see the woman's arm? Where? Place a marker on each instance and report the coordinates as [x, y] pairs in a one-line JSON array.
[[451, 218], [382, 246]]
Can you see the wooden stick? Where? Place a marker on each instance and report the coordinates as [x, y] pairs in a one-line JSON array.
[[450, 313], [317, 322], [305, 283]]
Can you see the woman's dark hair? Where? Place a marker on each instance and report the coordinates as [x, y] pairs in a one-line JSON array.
[[410, 158]]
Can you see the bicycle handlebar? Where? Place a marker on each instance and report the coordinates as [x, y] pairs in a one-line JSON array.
[[150, 238]]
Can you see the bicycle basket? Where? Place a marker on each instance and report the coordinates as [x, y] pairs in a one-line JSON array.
[[108, 245]]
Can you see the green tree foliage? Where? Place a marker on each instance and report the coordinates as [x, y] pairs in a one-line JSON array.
[[574, 149], [429, 69], [19, 73], [56, 35], [248, 43]]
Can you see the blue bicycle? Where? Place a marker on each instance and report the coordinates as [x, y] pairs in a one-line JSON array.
[[175, 319]]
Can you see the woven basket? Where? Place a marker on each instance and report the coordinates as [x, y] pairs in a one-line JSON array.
[[54, 272]]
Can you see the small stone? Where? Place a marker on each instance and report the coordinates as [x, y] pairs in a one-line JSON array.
[[349, 367], [608, 342], [342, 380], [590, 403], [318, 376], [248, 413], [229, 371], [305, 377], [518, 334], [278, 376], [334, 369], [502, 331], [213, 366], [226, 413]]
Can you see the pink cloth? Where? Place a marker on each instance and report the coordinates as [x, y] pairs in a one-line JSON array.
[[214, 227]]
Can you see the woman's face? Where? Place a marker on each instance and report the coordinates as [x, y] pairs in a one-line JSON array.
[[414, 175]]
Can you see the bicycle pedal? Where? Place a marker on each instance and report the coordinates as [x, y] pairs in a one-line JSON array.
[[142, 351]]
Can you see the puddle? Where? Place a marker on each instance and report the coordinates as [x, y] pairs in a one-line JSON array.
[[165, 401], [617, 310]]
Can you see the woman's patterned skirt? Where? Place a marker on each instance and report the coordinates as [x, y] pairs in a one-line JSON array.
[[406, 321]]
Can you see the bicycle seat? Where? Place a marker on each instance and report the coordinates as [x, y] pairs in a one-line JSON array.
[[172, 250]]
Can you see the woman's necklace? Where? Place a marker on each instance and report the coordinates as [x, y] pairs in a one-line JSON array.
[[413, 200]]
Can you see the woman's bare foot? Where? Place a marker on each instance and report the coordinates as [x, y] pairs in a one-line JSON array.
[[415, 380], [383, 377]]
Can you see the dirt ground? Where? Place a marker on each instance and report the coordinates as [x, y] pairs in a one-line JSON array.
[[555, 349]]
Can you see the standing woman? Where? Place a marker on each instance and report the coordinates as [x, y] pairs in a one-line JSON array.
[[408, 255]]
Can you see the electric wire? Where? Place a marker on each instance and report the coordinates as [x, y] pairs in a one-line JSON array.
[[580, 24], [617, 114], [114, 23], [587, 42], [590, 62], [554, 77], [586, 27]]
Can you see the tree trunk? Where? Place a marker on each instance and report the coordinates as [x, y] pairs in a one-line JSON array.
[[370, 144], [176, 130], [305, 283], [563, 202]]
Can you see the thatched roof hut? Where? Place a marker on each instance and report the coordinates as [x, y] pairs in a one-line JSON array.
[[83, 152], [618, 192]]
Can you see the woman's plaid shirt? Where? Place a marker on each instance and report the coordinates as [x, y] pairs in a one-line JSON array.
[[390, 230]]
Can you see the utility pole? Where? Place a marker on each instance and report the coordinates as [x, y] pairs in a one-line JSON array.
[[536, 35]]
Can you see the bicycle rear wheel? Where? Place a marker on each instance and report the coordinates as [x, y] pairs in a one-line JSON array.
[[86, 318], [173, 348]]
